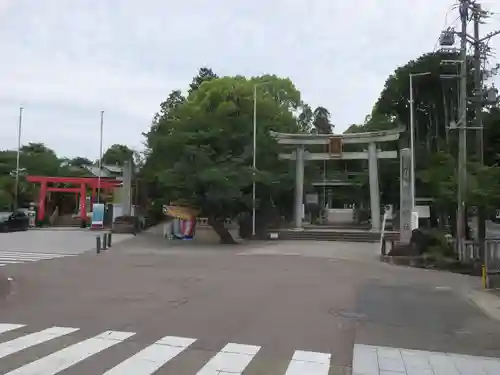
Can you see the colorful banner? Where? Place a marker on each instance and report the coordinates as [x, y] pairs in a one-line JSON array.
[[180, 212], [183, 224]]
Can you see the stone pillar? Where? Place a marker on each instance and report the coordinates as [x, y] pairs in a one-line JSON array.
[[126, 198], [406, 197], [374, 186], [299, 186]]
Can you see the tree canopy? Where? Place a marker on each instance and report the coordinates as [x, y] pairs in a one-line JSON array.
[[117, 154], [201, 149]]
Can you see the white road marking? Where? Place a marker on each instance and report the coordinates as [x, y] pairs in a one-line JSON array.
[[32, 339], [24, 257], [233, 358], [10, 327], [67, 357], [150, 359], [15, 257], [34, 255], [22, 254], [309, 363]]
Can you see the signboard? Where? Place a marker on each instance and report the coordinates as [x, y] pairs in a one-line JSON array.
[[414, 220], [335, 146], [312, 198], [97, 215], [406, 198], [423, 212]]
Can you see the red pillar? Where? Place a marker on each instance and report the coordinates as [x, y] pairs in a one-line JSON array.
[[83, 201], [41, 200]]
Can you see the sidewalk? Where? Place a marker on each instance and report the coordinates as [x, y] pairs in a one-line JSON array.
[[488, 301]]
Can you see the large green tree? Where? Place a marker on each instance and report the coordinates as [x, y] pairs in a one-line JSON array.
[[34, 159], [117, 154], [204, 74], [200, 149], [321, 121]]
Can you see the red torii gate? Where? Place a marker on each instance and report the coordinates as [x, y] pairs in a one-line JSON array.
[[83, 182]]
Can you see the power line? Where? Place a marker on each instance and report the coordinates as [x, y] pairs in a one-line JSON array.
[[446, 24]]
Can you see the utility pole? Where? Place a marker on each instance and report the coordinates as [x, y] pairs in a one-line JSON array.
[[19, 128], [462, 127], [254, 164], [478, 111], [478, 100], [100, 159]]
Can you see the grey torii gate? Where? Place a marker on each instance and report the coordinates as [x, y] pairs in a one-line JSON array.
[[372, 154]]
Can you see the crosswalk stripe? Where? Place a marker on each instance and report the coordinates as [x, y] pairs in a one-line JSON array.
[[5, 259], [150, 359], [9, 327], [309, 363], [233, 358], [22, 253], [21, 259], [20, 256], [67, 357], [11, 261], [32, 339]]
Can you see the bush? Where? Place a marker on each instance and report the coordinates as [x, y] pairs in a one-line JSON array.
[[362, 215], [431, 241]]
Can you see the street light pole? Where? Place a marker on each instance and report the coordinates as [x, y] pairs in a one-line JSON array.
[[19, 128], [100, 159], [412, 143], [412, 136], [254, 156]]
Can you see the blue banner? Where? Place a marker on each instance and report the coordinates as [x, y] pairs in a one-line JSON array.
[[97, 215]]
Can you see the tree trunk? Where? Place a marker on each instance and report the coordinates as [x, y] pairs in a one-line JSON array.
[[221, 230]]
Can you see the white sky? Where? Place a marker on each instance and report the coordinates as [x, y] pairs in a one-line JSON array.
[[66, 60]]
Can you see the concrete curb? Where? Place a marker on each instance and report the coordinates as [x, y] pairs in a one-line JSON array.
[[487, 302]]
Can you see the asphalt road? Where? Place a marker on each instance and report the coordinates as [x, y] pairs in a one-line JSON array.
[[294, 308]]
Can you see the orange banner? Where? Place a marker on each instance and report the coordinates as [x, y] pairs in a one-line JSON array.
[[180, 212]]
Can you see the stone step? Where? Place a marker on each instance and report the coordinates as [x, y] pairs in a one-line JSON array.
[[333, 235], [67, 221]]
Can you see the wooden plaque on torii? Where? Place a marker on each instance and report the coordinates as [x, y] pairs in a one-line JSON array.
[[335, 146]]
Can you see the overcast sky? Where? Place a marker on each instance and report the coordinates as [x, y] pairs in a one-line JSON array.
[[66, 60]]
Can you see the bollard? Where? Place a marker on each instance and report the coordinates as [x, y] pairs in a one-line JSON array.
[[109, 239], [98, 244], [104, 242]]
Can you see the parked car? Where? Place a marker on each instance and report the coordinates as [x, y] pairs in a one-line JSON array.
[[13, 221]]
